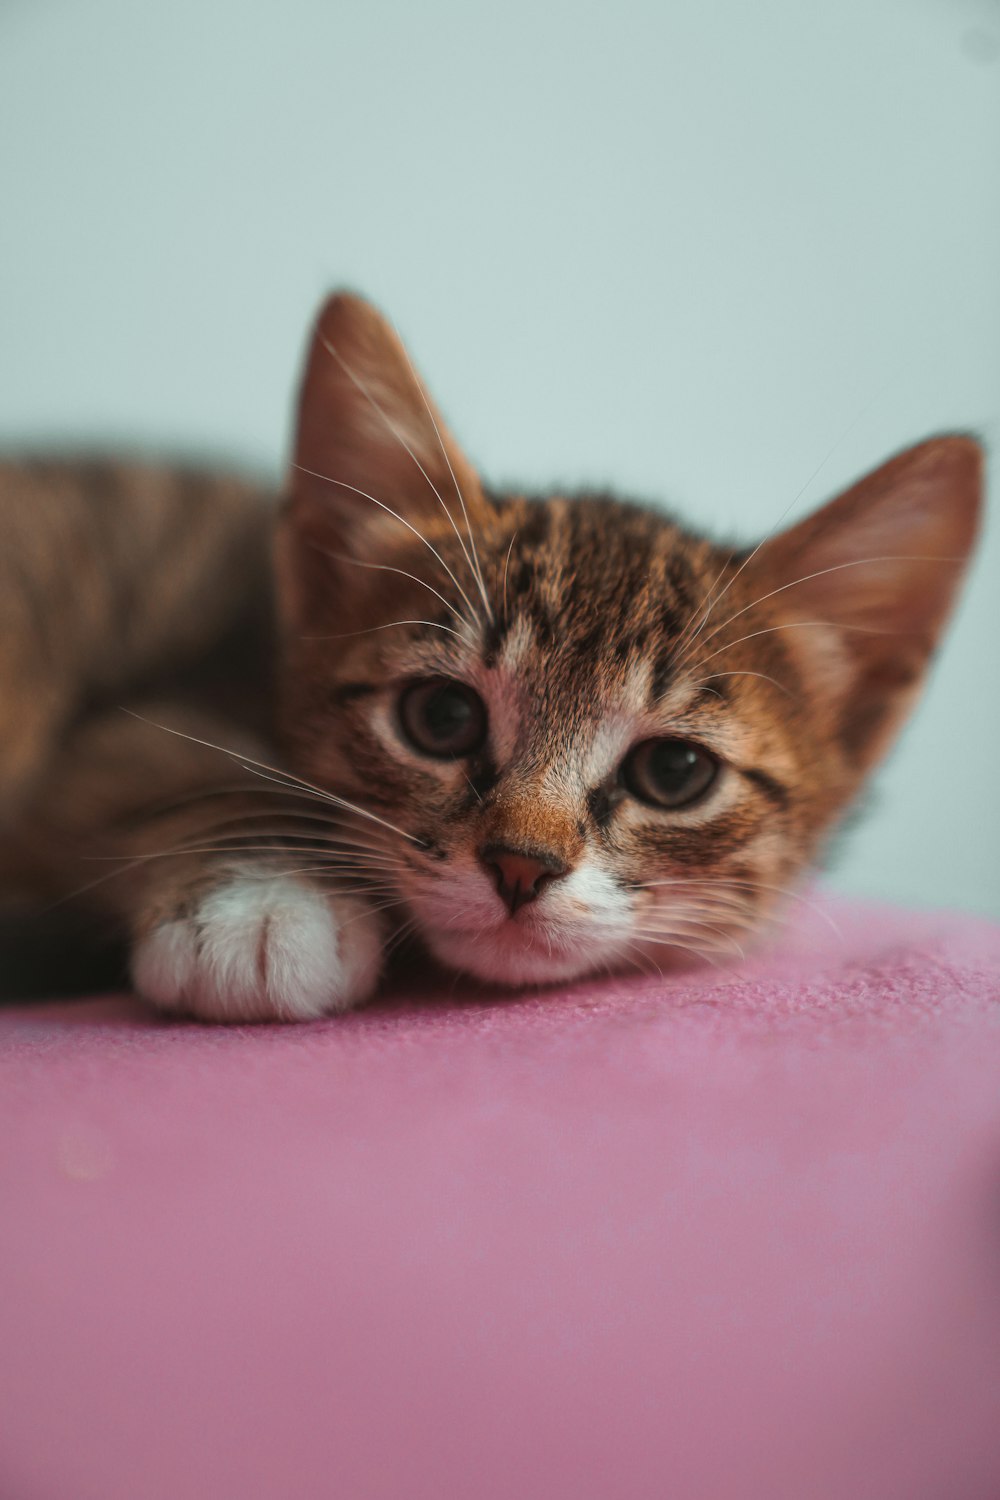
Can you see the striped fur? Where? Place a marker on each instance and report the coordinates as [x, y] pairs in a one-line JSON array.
[[586, 625]]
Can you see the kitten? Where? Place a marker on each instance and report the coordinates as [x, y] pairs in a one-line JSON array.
[[543, 737]]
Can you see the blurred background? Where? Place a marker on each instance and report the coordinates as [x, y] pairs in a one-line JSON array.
[[723, 256]]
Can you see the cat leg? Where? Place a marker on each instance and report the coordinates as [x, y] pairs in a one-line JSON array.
[[210, 871]]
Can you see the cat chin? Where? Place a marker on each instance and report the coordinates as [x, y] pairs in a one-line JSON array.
[[511, 956]]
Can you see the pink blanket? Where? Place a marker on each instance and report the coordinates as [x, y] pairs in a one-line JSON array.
[[730, 1237]]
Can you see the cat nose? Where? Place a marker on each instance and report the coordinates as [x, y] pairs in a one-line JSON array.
[[520, 874]]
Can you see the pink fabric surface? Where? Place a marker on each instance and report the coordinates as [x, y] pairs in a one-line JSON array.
[[727, 1236]]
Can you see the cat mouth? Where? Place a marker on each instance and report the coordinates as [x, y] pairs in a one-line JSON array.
[[518, 950], [523, 930], [467, 928]]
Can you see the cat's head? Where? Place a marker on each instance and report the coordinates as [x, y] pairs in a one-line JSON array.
[[597, 734]]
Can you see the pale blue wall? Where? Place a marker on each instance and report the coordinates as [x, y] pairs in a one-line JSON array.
[[683, 247]]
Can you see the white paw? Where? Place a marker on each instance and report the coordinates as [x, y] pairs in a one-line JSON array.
[[261, 947]]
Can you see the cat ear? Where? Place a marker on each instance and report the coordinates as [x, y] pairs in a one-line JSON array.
[[868, 582], [370, 442]]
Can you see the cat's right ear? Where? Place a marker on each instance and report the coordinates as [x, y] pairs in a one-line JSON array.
[[374, 461]]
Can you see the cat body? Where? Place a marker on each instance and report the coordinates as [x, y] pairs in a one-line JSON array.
[[271, 740]]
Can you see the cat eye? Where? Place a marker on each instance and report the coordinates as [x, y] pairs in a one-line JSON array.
[[669, 773], [443, 718]]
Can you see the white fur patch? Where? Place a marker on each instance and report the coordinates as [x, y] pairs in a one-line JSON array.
[[261, 947]]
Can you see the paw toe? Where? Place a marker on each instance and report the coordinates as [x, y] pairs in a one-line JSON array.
[[256, 948]]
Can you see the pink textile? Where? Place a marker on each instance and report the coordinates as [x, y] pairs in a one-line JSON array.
[[728, 1236]]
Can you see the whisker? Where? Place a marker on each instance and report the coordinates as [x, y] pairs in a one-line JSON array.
[[771, 534], [318, 876], [506, 565], [342, 484], [677, 938], [233, 789], [388, 568], [125, 865], [474, 564], [371, 909], [739, 917], [458, 916], [712, 602], [752, 886], [398, 937], [256, 826], [233, 848], [763, 675], [90, 885], [633, 952], [858, 562], [360, 385], [792, 625], [291, 819], [260, 767], [475, 790], [674, 921], [343, 635], [677, 942]]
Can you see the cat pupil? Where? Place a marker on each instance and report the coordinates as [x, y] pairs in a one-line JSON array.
[[669, 773], [442, 718], [447, 714], [672, 763]]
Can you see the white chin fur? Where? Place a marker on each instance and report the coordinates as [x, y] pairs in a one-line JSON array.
[[261, 947], [512, 955], [582, 924]]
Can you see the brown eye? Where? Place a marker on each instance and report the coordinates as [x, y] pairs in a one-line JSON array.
[[442, 718], [669, 773]]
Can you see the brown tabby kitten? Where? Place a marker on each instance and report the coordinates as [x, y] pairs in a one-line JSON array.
[[544, 737]]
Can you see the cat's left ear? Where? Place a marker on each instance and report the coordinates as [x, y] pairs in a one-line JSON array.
[[867, 585], [373, 457]]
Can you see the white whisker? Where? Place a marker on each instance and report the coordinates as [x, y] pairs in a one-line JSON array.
[[388, 568], [719, 884], [506, 618], [235, 848], [259, 768], [359, 383], [342, 484], [709, 602], [678, 942], [791, 625], [475, 791], [678, 938], [762, 675], [859, 562], [474, 564], [398, 936], [343, 635]]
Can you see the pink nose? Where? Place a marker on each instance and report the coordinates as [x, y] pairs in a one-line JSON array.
[[520, 874]]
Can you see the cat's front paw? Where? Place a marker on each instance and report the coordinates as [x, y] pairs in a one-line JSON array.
[[258, 946]]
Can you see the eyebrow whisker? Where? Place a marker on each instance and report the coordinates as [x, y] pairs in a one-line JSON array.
[[474, 564], [362, 387], [343, 484]]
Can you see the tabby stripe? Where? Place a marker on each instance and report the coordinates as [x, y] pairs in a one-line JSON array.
[[772, 789]]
